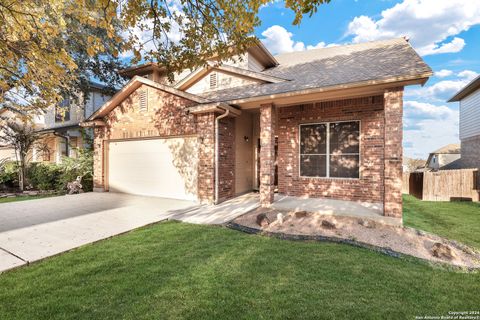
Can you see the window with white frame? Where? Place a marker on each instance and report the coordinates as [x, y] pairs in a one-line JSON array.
[[330, 149]]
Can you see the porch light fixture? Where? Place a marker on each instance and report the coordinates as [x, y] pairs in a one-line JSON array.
[[245, 138]]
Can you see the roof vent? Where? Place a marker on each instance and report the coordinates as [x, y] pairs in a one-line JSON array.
[[143, 101], [213, 80]]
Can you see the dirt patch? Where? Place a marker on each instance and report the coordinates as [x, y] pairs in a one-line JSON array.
[[403, 240]]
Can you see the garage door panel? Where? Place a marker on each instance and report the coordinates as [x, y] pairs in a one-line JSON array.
[[157, 167]]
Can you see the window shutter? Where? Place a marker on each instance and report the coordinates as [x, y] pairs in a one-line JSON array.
[[143, 101]]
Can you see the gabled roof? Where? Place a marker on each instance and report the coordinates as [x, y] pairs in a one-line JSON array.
[[465, 91], [134, 84], [453, 148], [198, 74], [363, 64]]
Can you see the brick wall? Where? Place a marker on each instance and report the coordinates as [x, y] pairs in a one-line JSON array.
[[268, 117], [206, 157], [470, 149], [369, 187], [226, 170], [392, 204], [165, 116]]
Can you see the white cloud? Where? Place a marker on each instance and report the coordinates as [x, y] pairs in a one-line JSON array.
[[468, 75], [278, 40], [443, 73], [442, 90], [428, 127], [428, 23]]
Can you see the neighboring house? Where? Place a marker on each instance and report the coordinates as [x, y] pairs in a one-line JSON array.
[[321, 123], [60, 129], [469, 98], [6, 152], [444, 158]]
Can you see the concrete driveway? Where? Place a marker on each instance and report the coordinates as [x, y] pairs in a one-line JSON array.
[[35, 229]]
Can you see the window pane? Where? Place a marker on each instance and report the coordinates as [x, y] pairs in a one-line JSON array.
[[313, 139], [313, 166], [344, 166], [344, 137]]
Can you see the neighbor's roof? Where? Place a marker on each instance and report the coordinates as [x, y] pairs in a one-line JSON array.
[[358, 64], [465, 91], [452, 148]]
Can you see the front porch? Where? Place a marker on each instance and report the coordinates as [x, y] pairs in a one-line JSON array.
[[364, 210]]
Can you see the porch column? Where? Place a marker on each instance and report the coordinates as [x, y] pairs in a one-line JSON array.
[[99, 159], [267, 154], [393, 105]]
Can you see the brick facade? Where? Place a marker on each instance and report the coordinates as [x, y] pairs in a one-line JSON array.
[[268, 119], [392, 204], [470, 149], [369, 187], [166, 116], [226, 170]]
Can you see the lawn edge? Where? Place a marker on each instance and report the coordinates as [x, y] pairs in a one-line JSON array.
[[359, 244]]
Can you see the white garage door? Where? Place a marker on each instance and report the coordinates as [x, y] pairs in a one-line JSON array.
[[157, 167]]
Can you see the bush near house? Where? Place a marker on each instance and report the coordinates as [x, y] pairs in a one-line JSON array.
[[50, 176]]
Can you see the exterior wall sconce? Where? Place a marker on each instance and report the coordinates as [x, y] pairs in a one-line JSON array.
[[245, 138]]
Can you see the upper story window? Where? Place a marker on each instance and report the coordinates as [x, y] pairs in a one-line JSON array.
[[330, 150], [62, 111], [213, 80]]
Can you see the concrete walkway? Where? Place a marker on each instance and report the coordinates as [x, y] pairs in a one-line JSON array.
[[35, 229]]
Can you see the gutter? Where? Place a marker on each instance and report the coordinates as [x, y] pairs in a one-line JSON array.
[[217, 147]]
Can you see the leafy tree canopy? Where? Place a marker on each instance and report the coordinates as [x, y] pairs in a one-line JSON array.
[[51, 48]]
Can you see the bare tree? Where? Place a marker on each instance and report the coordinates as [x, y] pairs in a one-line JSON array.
[[19, 134]]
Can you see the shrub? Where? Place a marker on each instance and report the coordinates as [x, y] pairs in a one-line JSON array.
[[81, 166], [44, 176], [9, 175]]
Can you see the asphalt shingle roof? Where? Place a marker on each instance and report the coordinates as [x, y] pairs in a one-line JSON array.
[[341, 65]]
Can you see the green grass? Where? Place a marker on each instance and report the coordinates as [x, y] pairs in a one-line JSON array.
[[24, 198], [176, 270], [455, 220]]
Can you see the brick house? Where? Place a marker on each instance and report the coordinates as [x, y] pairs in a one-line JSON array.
[[321, 123]]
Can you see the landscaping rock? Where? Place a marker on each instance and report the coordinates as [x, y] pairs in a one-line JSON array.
[[75, 187], [328, 225], [300, 214], [442, 251], [280, 218], [262, 220], [367, 223]]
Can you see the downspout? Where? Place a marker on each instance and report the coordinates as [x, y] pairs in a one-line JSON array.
[[217, 147]]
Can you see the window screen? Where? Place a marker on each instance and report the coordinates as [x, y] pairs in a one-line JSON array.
[[330, 149]]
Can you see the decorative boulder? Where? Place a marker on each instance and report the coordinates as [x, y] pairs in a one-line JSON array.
[[367, 223], [327, 224], [280, 218], [300, 214], [442, 251], [262, 220], [75, 186]]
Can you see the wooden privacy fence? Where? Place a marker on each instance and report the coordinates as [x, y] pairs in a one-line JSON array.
[[444, 185]]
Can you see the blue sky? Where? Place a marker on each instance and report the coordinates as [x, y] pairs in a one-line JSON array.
[[446, 33]]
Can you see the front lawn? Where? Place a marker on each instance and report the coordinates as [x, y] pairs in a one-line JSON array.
[[23, 198], [455, 220], [176, 270]]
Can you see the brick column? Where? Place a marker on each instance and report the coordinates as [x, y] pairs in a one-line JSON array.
[[267, 154], [393, 104], [206, 157], [98, 159]]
